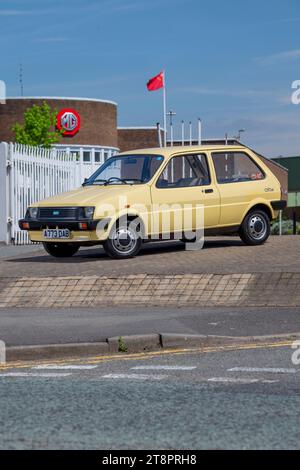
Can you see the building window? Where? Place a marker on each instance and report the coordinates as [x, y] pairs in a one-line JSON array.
[[97, 157], [86, 156]]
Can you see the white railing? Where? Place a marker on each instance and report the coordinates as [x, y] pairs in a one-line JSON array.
[[29, 174]]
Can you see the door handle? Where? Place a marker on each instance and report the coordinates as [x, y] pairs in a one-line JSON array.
[[207, 191]]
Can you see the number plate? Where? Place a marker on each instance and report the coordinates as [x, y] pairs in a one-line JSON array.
[[56, 233]]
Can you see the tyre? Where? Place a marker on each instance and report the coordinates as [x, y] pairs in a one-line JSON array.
[[255, 229], [61, 250], [124, 240]]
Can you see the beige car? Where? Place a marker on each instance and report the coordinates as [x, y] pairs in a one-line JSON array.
[[118, 206]]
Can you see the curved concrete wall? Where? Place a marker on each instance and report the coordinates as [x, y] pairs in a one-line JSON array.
[[98, 119]]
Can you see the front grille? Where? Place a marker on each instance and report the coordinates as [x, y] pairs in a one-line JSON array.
[[68, 213]]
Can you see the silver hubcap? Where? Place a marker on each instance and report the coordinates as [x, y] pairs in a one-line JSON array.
[[124, 240], [257, 227]]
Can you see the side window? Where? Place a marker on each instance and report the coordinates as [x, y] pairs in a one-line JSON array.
[[185, 171], [235, 167]]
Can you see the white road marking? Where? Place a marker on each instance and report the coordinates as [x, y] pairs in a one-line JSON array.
[[134, 376], [274, 370], [164, 367], [34, 374], [66, 367], [239, 380]]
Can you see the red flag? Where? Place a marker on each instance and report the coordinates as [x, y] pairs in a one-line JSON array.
[[156, 82]]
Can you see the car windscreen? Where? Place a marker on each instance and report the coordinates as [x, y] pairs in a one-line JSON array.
[[126, 169]]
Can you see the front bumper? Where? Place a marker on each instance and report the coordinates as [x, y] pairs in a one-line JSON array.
[[81, 230], [30, 224]]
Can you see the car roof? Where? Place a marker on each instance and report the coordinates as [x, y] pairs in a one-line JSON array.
[[167, 151]]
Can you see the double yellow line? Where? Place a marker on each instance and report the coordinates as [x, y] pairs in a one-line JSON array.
[[147, 355]]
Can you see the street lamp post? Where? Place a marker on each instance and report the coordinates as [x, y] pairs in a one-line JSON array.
[[238, 137], [171, 114], [182, 133], [199, 131]]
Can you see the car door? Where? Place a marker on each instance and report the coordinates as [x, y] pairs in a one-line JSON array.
[[186, 182], [240, 181]]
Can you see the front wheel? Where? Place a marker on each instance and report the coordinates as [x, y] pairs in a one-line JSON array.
[[61, 250], [255, 229], [124, 240]]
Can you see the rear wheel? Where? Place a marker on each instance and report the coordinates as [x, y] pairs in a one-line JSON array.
[[125, 239], [255, 229], [61, 250]]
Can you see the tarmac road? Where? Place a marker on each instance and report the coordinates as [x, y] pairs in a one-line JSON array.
[[222, 399], [20, 326]]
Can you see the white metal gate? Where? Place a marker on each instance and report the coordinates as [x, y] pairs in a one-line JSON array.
[[34, 173]]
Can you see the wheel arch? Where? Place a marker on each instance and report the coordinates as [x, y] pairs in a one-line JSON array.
[[131, 217], [263, 207]]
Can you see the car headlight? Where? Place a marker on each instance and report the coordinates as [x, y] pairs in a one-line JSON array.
[[89, 212], [33, 212]]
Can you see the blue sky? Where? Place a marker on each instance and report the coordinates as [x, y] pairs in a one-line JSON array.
[[229, 62]]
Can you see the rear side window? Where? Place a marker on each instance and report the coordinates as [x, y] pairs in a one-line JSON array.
[[185, 171], [236, 167]]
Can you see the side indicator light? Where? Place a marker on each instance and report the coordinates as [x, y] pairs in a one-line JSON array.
[[83, 226], [25, 225]]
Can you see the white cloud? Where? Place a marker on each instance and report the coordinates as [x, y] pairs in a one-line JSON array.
[[221, 92], [279, 57], [274, 95], [51, 39], [36, 11], [296, 19], [138, 5], [14, 12]]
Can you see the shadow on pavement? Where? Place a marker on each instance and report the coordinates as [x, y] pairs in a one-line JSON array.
[[97, 253]]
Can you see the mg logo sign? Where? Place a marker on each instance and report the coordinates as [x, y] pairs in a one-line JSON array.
[[68, 121]]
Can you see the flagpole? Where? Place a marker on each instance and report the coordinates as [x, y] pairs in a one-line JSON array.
[[165, 110]]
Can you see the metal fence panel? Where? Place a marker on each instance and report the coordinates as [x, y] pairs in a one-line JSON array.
[[35, 174]]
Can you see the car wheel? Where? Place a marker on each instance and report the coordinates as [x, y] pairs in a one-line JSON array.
[[61, 250], [255, 229], [124, 240]]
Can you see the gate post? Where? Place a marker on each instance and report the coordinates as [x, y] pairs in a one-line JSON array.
[[5, 235]]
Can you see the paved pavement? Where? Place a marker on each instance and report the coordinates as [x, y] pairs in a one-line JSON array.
[[233, 399], [11, 251], [56, 326], [220, 255]]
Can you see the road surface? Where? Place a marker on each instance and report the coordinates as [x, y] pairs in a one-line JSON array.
[[219, 399], [50, 326]]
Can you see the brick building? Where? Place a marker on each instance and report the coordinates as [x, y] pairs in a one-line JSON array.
[[98, 124]]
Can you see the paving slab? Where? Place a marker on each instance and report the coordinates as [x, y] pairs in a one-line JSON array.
[[220, 255]]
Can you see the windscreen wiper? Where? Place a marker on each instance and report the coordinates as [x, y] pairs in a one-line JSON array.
[[133, 179], [87, 183], [115, 179]]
